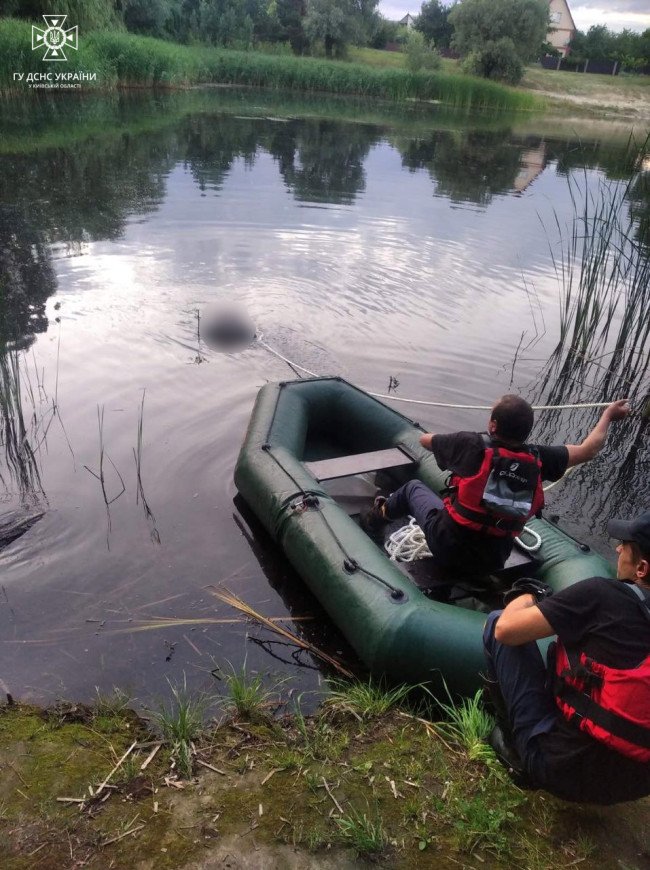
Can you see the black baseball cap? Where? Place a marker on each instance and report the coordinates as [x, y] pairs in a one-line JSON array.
[[637, 530]]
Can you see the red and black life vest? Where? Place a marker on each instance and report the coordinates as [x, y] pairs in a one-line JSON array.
[[612, 705], [503, 494]]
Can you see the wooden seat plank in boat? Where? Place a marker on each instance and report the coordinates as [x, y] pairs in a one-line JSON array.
[[359, 463]]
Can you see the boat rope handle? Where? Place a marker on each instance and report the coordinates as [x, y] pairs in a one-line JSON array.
[[294, 365], [303, 500], [529, 548]]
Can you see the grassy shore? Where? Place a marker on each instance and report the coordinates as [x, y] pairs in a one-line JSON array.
[[622, 96], [124, 60], [364, 779]]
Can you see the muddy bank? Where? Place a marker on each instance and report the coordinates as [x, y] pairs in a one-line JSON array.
[[95, 787]]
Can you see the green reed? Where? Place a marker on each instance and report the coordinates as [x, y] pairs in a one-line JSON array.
[[603, 270], [19, 432], [123, 59], [16, 56]]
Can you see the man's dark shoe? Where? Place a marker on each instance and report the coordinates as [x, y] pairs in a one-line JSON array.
[[375, 520], [496, 705], [508, 756]]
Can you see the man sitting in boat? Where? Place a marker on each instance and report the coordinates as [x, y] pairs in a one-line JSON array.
[[581, 725], [495, 487]]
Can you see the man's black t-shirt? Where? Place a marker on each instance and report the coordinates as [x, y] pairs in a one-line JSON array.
[[461, 548], [602, 618]]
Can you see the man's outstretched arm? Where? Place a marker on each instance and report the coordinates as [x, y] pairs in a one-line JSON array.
[[593, 443]]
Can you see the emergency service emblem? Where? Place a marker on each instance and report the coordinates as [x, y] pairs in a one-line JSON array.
[[54, 38]]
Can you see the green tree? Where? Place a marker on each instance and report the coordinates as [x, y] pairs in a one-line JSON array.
[[419, 53], [433, 22], [88, 14], [478, 23], [599, 43], [496, 60], [336, 22], [386, 32], [291, 15], [368, 19], [225, 22], [149, 17]]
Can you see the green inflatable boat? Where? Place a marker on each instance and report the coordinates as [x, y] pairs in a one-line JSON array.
[[303, 435]]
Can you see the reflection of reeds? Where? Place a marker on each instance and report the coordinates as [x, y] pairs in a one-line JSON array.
[[140, 496], [604, 275], [19, 437]]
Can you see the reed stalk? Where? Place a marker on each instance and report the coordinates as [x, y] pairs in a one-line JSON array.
[[19, 434], [603, 271], [230, 598]]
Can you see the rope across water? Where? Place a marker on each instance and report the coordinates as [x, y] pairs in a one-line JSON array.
[[295, 365]]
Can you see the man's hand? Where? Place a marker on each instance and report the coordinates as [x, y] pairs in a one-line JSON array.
[[594, 441], [425, 440], [528, 585], [617, 410]]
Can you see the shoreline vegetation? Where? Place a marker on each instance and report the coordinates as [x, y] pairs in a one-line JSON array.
[[124, 60], [366, 778]]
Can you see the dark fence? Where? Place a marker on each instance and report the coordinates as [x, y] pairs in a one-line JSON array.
[[603, 67]]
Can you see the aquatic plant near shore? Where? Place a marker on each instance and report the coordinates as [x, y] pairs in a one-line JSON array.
[[603, 271], [140, 496], [363, 832], [602, 263], [247, 696], [468, 724], [20, 435], [365, 700], [180, 722]]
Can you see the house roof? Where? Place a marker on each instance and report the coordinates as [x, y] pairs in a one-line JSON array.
[[566, 5]]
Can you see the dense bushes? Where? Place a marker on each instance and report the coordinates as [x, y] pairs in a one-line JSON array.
[[495, 60], [420, 54]]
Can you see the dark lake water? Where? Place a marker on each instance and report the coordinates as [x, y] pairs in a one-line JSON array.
[[419, 246]]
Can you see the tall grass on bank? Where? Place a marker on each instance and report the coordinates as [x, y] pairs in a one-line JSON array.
[[123, 59], [20, 434], [181, 722], [16, 56], [603, 269]]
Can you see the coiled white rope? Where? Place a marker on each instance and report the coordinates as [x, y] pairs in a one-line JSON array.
[[390, 398], [408, 543]]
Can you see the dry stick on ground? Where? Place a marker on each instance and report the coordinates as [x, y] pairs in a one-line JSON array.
[[145, 764], [230, 598], [211, 767], [272, 773], [101, 787], [327, 789], [431, 729], [121, 836]]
